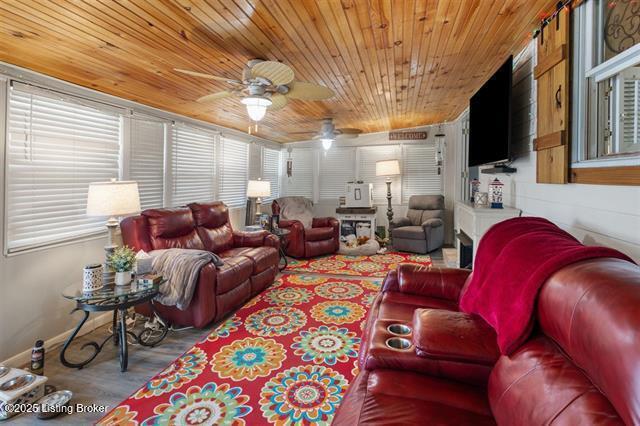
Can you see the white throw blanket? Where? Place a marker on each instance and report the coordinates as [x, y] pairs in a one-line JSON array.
[[181, 268], [297, 208]]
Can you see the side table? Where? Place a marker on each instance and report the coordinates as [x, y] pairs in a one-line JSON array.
[[117, 299], [282, 233]]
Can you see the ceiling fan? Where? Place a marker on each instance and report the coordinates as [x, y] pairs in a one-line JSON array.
[[264, 85], [328, 133]]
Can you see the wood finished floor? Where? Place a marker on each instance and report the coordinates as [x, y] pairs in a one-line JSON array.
[[101, 382]]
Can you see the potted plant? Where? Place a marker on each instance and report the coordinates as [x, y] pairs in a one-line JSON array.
[[122, 260]]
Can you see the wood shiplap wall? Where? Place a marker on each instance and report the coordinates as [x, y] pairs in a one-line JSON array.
[[595, 214], [392, 63]]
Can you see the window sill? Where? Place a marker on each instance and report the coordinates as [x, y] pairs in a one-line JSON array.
[[53, 245], [606, 175]]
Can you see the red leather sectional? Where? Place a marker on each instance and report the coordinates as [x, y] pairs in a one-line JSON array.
[[580, 366], [250, 258]]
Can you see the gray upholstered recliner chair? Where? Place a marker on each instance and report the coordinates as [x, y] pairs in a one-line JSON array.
[[422, 231]]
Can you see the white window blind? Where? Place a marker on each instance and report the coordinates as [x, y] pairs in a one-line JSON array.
[[271, 171], [367, 158], [234, 172], [301, 181], [146, 160], [630, 109], [419, 171], [193, 165], [337, 167], [56, 147]]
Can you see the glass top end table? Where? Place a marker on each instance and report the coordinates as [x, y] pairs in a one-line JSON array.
[[117, 299]]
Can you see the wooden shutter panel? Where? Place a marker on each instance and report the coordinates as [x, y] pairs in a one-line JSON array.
[[554, 95]]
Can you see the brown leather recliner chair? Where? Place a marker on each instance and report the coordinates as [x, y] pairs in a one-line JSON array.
[[250, 258], [323, 237]]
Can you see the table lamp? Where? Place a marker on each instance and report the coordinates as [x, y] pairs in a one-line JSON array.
[[388, 168], [255, 190], [112, 199]]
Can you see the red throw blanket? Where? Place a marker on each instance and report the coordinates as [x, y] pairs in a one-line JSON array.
[[513, 260]]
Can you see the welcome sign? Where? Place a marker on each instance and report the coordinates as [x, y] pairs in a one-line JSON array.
[[407, 136]]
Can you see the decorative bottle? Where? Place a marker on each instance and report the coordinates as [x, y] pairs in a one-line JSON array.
[[37, 358]]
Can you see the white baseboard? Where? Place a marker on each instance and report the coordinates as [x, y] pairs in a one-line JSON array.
[[24, 358]]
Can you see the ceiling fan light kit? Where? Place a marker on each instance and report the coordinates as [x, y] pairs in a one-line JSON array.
[[256, 106], [264, 85], [326, 143]]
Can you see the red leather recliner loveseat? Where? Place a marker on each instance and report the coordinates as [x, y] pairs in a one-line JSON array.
[[250, 258], [578, 367]]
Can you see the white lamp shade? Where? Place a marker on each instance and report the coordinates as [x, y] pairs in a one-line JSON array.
[[115, 198], [258, 188], [387, 168]]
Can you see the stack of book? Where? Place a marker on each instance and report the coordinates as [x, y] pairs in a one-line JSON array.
[[149, 279]]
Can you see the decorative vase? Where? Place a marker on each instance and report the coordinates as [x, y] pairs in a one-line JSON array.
[[495, 194], [92, 277], [123, 278]]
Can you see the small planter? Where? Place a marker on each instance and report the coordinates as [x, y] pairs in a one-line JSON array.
[[123, 278]]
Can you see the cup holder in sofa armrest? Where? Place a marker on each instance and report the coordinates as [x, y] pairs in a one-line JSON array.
[[399, 343], [399, 329], [454, 336], [385, 350]]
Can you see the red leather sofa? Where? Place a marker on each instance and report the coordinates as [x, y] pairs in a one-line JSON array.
[[250, 258], [322, 238], [579, 366]]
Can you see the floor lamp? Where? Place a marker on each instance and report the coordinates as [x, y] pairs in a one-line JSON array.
[[388, 168]]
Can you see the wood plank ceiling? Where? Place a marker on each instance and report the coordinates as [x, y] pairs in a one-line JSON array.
[[392, 63]]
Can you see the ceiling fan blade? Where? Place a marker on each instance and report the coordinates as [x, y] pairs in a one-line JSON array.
[[278, 101], [277, 72], [203, 75], [349, 131], [309, 91], [215, 96]]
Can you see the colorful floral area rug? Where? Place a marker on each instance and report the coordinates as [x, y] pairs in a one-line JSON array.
[[285, 358], [365, 266]]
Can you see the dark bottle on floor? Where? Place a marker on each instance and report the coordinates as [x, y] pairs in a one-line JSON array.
[[37, 358]]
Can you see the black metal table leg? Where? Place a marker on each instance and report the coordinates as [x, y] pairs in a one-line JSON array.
[[283, 256], [114, 326], [96, 347], [122, 332]]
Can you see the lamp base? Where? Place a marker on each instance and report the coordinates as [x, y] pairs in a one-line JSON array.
[[389, 208]]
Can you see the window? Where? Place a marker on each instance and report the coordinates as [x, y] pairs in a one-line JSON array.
[[300, 182], [607, 75], [56, 146], [419, 171], [617, 29], [233, 172], [146, 160], [271, 171], [337, 167], [193, 165], [367, 158]]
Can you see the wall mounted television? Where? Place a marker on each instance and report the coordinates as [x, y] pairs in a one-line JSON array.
[[490, 119]]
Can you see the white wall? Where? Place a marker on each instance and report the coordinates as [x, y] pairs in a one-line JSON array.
[[595, 214]]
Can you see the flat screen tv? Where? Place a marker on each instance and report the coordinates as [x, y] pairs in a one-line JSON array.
[[490, 119]]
